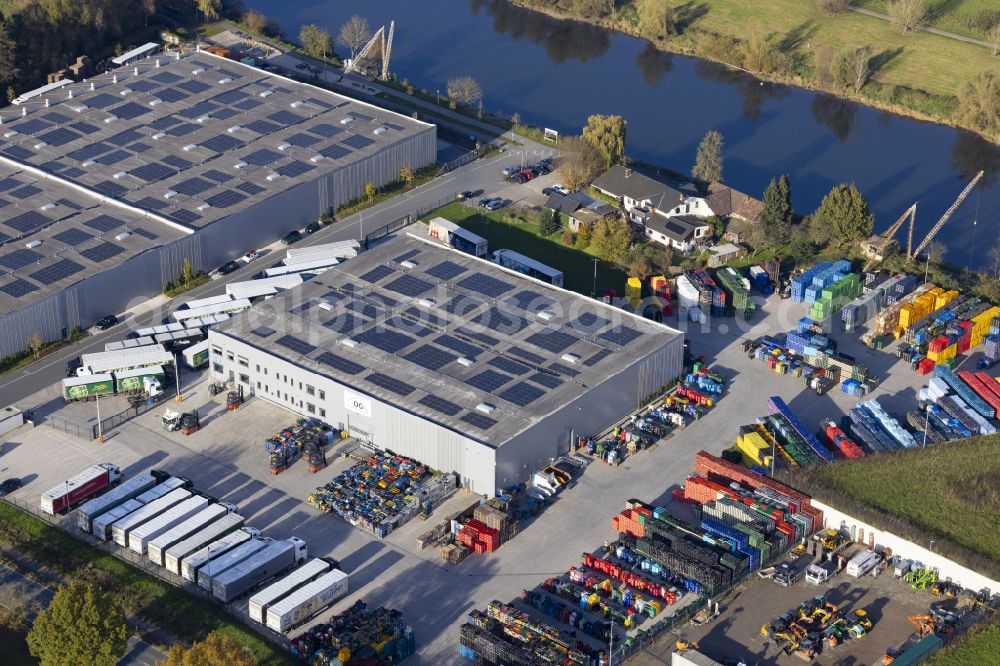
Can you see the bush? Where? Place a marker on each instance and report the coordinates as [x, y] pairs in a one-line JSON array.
[[831, 7]]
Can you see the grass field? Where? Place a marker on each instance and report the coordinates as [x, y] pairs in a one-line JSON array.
[[577, 266], [948, 492], [156, 601], [978, 646], [951, 15]]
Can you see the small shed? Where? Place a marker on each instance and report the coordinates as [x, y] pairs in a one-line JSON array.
[[720, 255]]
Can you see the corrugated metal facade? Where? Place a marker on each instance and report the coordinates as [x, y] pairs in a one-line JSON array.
[[143, 276]]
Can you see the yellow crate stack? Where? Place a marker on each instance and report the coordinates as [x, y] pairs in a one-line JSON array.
[[981, 325], [921, 307], [753, 446]]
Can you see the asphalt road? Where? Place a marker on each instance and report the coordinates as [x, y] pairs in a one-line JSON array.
[[479, 175], [17, 589]]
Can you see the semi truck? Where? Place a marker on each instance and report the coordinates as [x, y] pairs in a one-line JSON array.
[[120, 529], [280, 589], [125, 491], [196, 356], [212, 532], [191, 564], [156, 548], [139, 538], [83, 486], [278, 557], [216, 566], [306, 601], [147, 381], [101, 525], [109, 362], [88, 387]]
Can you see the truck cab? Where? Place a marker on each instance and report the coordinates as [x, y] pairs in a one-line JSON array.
[[300, 549], [820, 573]]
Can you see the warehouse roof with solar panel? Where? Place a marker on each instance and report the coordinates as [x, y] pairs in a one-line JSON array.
[[441, 334], [169, 144]]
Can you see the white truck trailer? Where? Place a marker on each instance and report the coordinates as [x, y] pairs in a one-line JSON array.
[[213, 531], [218, 565], [124, 359], [141, 535], [196, 355], [101, 525], [125, 491], [192, 564], [306, 601], [277, 558], [862, 563], [120, 529], [156, 548], [280, 589]]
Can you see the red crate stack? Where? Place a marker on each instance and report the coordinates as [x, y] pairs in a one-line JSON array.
[[479, 537], [925, 366], [938, 344], [627, 522]]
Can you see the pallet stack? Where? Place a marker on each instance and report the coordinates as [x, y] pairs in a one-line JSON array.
[[874, 298], [355, 633], [737, 290], [777, 406], [835, 296], [887, 321], [505, 635]]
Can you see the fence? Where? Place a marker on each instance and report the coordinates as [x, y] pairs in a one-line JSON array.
[[71, 427], [470, 156], [121, 417], [406, 220], [644, 638]]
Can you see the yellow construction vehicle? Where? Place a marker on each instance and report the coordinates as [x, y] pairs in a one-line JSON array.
[[945, 588], [925, 624], [831, 540], [682, 644], [860, 623]]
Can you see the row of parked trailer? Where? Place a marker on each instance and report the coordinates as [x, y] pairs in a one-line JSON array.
[[201, 540]]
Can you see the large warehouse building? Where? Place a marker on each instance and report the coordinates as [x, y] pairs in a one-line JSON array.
[[455, 361], [107, 185]]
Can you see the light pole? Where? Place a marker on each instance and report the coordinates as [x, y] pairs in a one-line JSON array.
[[177, 371], [100, 431], [927, 421], [438, 97], [593, 288], [927, 267]]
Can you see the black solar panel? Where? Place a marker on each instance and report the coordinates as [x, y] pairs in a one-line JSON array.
[[83, 128], [55, 117], [32, 126], [185, 216], [24, 192], [409, 326], [73, 172], [488, 380], [152, 203], [145, 233], [295, 344], [192, 186], [175, 161], [409, 285], [229, 97], [409, 254], [340, 363], [225, 199], [430, 357], [487, 340], [325, 130], [72, 237], [217, 176], [102, 252], [262, 127], [377, 273], [203, 108], [114, 157], [440, 405], [522, 394], [477, 420], [194, 86], [58, 271], [19, 259], [461, 346], [250, 188], [446, 270], [507, 365], [526, 355], [171, 95], [59, 136], [262, 157], [563, 369], [27, 221], [597, 358], [224, 114], [263, 331], [620, 335], [17, 152], [9, 183], [588, 322], [141, 86], [334, 152], [104, 223], [220, 143], [18, 288], [286, 117], [247, 104], [388, 341], [88, 152], [551, 340], [502, 321], [164, 122], [302, 140], [183, 129], [486, 285], [390, 383], [166, 77], [152, 172], [120, 139], [530, 300], [293, 169], [344, 322], [129, 111], [548, 381], [357, 141]]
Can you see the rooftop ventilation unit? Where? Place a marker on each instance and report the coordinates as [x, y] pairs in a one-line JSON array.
[[297, 103], [78, 108], [111, 119], [88, 163], [159, 135], [188, 148], [123, 235], [323, 305], [284, 146], [378, 130], [407, 264], [239, 165], [125, 91], [273, 176], [10, 133], [33, 244], [234, 128], [465, 361], [119, 175], [197, 71], [346, 121], [265, 93], [316, 158], [225, 80], [570, 358], [155, 101], [40, 145], [485, 408], [202, 119], [48, 206], [204, 206], [545, 315], [349, 342], [169, 194], [426, 302]]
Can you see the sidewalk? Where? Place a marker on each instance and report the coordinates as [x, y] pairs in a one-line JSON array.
[[933, 31]]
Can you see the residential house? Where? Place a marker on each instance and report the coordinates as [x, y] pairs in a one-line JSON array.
[[728, 203], [679, 232], [578, 209], [720, 255]]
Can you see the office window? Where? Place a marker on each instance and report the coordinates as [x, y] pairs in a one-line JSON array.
[[311, 408], [300, 386], [217, 350], [322, 395], [322, 413], [242, 360], [311, 390], [244, 379], [258, 386], [265, 372], [258, 367], [231, 356], [217, 367]]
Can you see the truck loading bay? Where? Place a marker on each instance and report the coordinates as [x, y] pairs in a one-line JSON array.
[[226, 459]]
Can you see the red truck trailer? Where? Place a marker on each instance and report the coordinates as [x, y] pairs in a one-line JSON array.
[[84, 485]]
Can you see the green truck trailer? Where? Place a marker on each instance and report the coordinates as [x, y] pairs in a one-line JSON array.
[[88, 387], [146, 380]]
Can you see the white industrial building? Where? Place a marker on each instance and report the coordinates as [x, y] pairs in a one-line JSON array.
[[108, 184], [455, 361]]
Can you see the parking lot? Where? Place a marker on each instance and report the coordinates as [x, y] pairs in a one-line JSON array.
[[226, 459]]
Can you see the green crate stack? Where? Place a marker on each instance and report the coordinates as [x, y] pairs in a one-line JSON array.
[[737, 286], [756, 540], [836, 296]]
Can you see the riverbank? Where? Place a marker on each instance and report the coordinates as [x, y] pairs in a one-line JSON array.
[[917, 76]]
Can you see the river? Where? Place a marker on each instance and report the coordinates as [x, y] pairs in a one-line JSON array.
[[555, 73]]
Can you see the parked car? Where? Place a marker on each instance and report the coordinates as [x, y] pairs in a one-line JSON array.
[[462, 196], [250, 256], [518, 178], [550, 190], [496, 204], [511, 170], [561, 189], [104, 323], [312, 227], [543, 167], [9, 486], [228, 267], [72, 365], [291, 237], [527, 173]]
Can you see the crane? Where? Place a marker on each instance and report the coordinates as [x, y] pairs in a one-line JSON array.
[[944, 218], [384, 46], [881, 243]]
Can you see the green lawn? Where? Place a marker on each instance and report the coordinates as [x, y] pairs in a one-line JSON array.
[[163, 605], [978, 646], [947, 492], [577, 266], [952, 15]]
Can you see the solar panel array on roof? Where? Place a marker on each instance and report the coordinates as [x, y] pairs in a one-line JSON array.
[[294, 169], [551, 340], [295, 344], [194, 87], [388, 341], [263, 331], [597, 358], [178, 162], [325, 130], [122, 138], [152, 172], [488, 380], [526, 355], [114, 157], [334, 152], [485, 285], [487, 340], [24, 192], [72, 237], [620, 335], [286, 117], [18, 288], [390, 383], [33, 126], [192, 186], [60, 136], [129, 111], [409, 254], [172, 95], [58, 271], [262, 157], [446, 407], [430, 357], [9, 183], [563, 369], [340, 363], [409, 285], [464, 348], [377, 273], [344, 322], [110, 188], [217, 176], [502, 321], [479, 421], [546, 380], [507, 365], [104, 222], [102, 252], [262, 126], [19, 259], [250, 188], [445, 270], [145, 233], [521, 394], [531, 301], [183, 129], [89, 151], [27, 221], [225, 199], [302, 140], [221, 143], [185, 216], [357, 141], [17, 152]]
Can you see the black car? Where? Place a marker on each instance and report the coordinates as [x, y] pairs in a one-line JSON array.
[[312, 227], [229, 267], [291, 237], [9, 486], [518, 178], [72, 365], [104, 323]]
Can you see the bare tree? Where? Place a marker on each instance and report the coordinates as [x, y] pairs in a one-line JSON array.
[[831, 7], [210, 8], [907, 14], [35, 343], [315, 41], [254, 21], [994, 38], [465, 90], [354, 34], [851, 68], [936, 252]]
